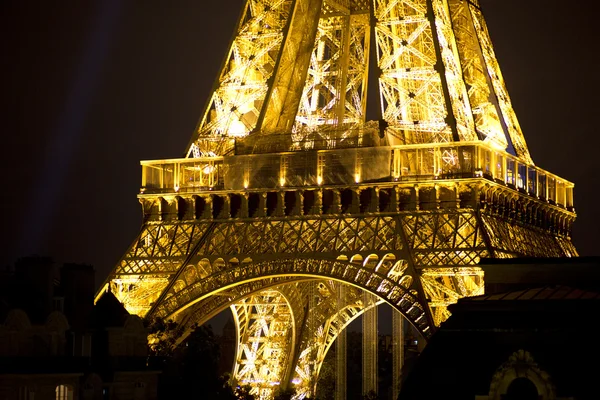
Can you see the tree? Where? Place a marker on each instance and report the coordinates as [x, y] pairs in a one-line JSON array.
[[284, 394], [161, 336], [189, 370], [243, 393]]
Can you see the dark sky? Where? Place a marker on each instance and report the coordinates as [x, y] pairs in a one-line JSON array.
[[89, 88]]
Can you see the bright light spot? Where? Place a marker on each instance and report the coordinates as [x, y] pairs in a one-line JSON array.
[[319, 180], [176, 188], [237, 128], [246, 183], [208, 169], [495, 141], [282, 181], [356, 178]]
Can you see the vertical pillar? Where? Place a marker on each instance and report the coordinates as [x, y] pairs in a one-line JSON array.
[[280, 207], [312, 328], [262, 205], [343, 70], [318, 205], [457, 193], [298, 203], [355, 204], [226, 210], [438, 201], [397, 352], [208, 207], [369, 345], [244, 212], [336, 207], [417, 199], [340, 349]]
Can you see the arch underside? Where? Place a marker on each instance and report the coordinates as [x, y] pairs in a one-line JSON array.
[[439, 248], [418, 262], [281, 335]]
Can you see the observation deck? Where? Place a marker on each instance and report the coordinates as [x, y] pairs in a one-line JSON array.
[[442, 163]]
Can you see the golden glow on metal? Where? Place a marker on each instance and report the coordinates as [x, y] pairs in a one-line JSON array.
[[288, 197]]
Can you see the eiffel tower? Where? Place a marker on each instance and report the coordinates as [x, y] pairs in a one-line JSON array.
[[299, 215]]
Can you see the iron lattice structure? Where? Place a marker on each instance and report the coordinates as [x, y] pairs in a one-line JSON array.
[[287, 195]]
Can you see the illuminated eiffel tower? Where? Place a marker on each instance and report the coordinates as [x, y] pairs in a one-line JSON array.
[[298, 214]]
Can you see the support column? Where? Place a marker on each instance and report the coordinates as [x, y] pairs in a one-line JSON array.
[[397, 352], [340, 350], [369, 345], [312, 328], [336, 207], [317, 208], [280, 206]]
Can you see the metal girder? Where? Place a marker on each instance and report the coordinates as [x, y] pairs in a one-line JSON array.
[[279, 113], [209, 307], [402, 209], [334, 96], [240, 91], [387, 287], [301, 68], [266, 332]]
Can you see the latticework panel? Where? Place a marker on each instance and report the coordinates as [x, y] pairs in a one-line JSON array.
[[513, 239], [444, 244], [204, 310], [411, 88], [331, 314], [444, 238], [480, 92], [293, 235], [265, 327], [156, 254], [235, 105], [493, 70], [335, 88], [457, 92], [444, 286]]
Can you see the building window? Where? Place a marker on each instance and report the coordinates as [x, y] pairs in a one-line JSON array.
[[58, 304], [64, 392]]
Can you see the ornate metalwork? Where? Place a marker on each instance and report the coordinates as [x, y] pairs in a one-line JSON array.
[[290, 206]]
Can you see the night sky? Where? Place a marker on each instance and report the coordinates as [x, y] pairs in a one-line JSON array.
[[91, 88]]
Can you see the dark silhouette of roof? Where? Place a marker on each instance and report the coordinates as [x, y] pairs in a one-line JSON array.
[[109, 312], [544, 293]]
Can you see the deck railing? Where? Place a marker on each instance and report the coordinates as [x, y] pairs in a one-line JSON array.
[[444, 161]]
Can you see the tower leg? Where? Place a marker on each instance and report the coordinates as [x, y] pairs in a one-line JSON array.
[[398, 352], [369, 345], [340, 351]]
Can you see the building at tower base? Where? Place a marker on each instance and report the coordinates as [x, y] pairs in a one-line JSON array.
[[532, 335]]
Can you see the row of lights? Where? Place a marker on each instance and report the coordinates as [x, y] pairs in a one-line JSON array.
[[282, 181]]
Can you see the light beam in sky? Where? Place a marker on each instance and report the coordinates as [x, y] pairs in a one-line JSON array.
[[70, 128]]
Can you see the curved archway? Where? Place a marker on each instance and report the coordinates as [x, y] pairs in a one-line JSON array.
[[317, 344], [521, 389], [387, 287], [520, 376]]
